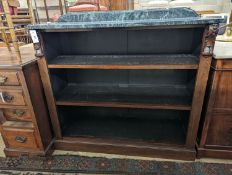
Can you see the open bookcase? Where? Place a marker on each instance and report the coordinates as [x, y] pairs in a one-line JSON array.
[[127, 91]]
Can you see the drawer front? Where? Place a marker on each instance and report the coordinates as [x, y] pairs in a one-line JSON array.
[[17, 114], [9, 78], [11, 97], [220, 130], [20, 138]]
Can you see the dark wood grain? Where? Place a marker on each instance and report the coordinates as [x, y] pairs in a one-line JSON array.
[[216, 135], [214, 153], [37, 96], [140, 96], [175, 61], [114, 146], [49, 96], [199, 91], [220, 130], [224, 91]]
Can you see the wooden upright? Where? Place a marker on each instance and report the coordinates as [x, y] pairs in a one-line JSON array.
[[10, 27]]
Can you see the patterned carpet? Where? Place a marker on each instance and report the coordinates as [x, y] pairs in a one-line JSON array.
[[96, 165]]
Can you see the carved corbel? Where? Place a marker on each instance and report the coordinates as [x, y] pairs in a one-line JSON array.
[[209, 41]]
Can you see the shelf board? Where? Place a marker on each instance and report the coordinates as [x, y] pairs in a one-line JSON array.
[[132, 96], [140, 129], [171, 61]]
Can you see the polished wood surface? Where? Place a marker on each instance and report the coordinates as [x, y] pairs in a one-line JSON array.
[[12, 96], [124, 105], [17, 114], [222, 64], [224, 92], [220, 130], [9, 59], [119, 5], [22, 125], [38, 104], [216, 135], [49, 97], [177, 61], [125, 147], [200, 84], [9, 78], [214, 153], [20, 138]]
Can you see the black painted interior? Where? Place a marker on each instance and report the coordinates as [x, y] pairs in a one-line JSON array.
[[172, 87], [137, 124]]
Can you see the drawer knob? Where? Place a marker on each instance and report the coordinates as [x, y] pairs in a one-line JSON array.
[[18, 113], [20, 139], [3, 79], [5, 97]]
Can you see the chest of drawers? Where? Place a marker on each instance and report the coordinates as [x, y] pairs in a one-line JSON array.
[[25, 125], [216, 133]]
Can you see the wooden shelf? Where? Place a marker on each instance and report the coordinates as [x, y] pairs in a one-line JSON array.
[[141, 125], [163, 131], [126, 96], [171, 61]]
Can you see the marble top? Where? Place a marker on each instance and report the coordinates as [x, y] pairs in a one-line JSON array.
[[222, 50], [129, 18]]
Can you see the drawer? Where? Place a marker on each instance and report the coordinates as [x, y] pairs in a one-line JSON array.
[[20, 138], [11, 97], [17, 114], [9, 78]]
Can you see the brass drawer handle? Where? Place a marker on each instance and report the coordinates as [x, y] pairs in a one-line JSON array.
[[3, 79], [18, 113], [20, 139], [6, 98]]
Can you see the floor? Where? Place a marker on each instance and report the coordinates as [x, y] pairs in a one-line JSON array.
[[110, 156]]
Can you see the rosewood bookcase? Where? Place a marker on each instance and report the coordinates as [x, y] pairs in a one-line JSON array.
[[128, 90]]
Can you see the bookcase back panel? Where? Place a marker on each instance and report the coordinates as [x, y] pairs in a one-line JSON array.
[[119, 41], [145, 125]]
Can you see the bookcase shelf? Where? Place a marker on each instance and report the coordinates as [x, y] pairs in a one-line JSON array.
[[137, 85], [128, 96], [170, 61], [157, 126]]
